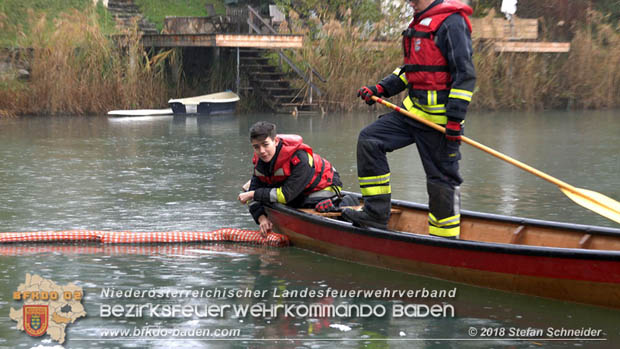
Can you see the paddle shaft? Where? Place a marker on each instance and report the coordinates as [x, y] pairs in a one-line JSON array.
[[483, 147]]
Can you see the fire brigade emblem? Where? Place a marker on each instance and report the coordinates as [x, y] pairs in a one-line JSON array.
[[46, 307], [36, 319]]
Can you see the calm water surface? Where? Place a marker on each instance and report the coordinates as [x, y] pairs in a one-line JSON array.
[[164, 173]]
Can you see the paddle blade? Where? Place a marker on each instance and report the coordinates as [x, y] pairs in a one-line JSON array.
[[597, 202]]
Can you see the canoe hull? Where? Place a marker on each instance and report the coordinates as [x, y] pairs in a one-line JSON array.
[[565, 274]]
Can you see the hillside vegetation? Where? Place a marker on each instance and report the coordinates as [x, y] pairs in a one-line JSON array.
[[76, 68], [156, 10], [16, 17]]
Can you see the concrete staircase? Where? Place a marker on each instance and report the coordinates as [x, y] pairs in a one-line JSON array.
[[125, 11], [273, 85]]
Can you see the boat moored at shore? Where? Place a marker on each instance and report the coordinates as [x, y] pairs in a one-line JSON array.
[[211, 104]]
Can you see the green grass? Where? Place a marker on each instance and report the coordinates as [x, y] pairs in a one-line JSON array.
[[14, 13], [14, 16], [156, 10]]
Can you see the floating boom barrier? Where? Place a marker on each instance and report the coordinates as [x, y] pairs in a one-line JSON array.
[[125, 237]]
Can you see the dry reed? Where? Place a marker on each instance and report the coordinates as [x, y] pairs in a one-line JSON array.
[[77, 70], [583, 78]]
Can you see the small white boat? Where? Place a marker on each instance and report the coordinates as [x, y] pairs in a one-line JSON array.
[[215, 103], [141, 112]]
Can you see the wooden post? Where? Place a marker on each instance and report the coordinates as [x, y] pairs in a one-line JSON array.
[[310, 86], [250, 21], [238, 64]]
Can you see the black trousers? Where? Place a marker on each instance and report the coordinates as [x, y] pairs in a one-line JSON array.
[[439, 157]]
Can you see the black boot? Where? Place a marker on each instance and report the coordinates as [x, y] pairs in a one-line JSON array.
[[362, 219], [349, 200]]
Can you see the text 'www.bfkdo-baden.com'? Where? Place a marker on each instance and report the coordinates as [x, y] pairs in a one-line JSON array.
[[149, 331]]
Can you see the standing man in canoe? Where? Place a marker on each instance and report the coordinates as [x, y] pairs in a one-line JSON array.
[[439, 74], [287, 171]]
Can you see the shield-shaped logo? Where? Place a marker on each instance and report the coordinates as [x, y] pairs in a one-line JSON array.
[[35, 319]]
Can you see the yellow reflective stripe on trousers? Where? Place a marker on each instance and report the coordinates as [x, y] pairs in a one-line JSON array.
[[438, 119], [375, 185], [376, 190], [446, 227], [444, 232], [382, 179], [461, 94], [281, 198], [444, 221]]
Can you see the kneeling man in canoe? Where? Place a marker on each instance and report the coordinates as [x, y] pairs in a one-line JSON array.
[[287, 171]]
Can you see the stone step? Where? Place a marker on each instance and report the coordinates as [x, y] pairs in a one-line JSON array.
[[121, 4], [263, 60], [271, 84], [281, 89], [259, 67], [268, 74], [117, 8], [121, 11], [125, 17], [280, 82], [126, 12]]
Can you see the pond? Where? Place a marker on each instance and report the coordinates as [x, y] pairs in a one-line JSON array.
[[183, 174]]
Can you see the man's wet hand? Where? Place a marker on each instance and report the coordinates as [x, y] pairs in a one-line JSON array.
[[245, 197], [265, 225]]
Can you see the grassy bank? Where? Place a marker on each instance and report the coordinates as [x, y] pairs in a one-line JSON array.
[[15, 17], [77, 69], [156, 10]]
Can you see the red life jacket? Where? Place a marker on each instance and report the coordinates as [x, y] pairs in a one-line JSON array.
[[323, 170], [425, 66]]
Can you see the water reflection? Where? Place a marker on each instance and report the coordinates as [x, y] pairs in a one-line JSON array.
[[167, 173], [273, 272]]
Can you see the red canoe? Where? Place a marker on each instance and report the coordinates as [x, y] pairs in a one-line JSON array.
[[570, 262]]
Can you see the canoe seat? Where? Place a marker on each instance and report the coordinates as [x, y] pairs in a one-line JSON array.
[[394, 211]]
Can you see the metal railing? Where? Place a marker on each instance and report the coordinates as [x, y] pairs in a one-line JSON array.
[[254, 15]]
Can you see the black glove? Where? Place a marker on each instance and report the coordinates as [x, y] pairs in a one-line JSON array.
[[453, 131], [365, 92]]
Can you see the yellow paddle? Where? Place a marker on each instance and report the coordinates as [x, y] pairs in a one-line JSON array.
[[597, 202]]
